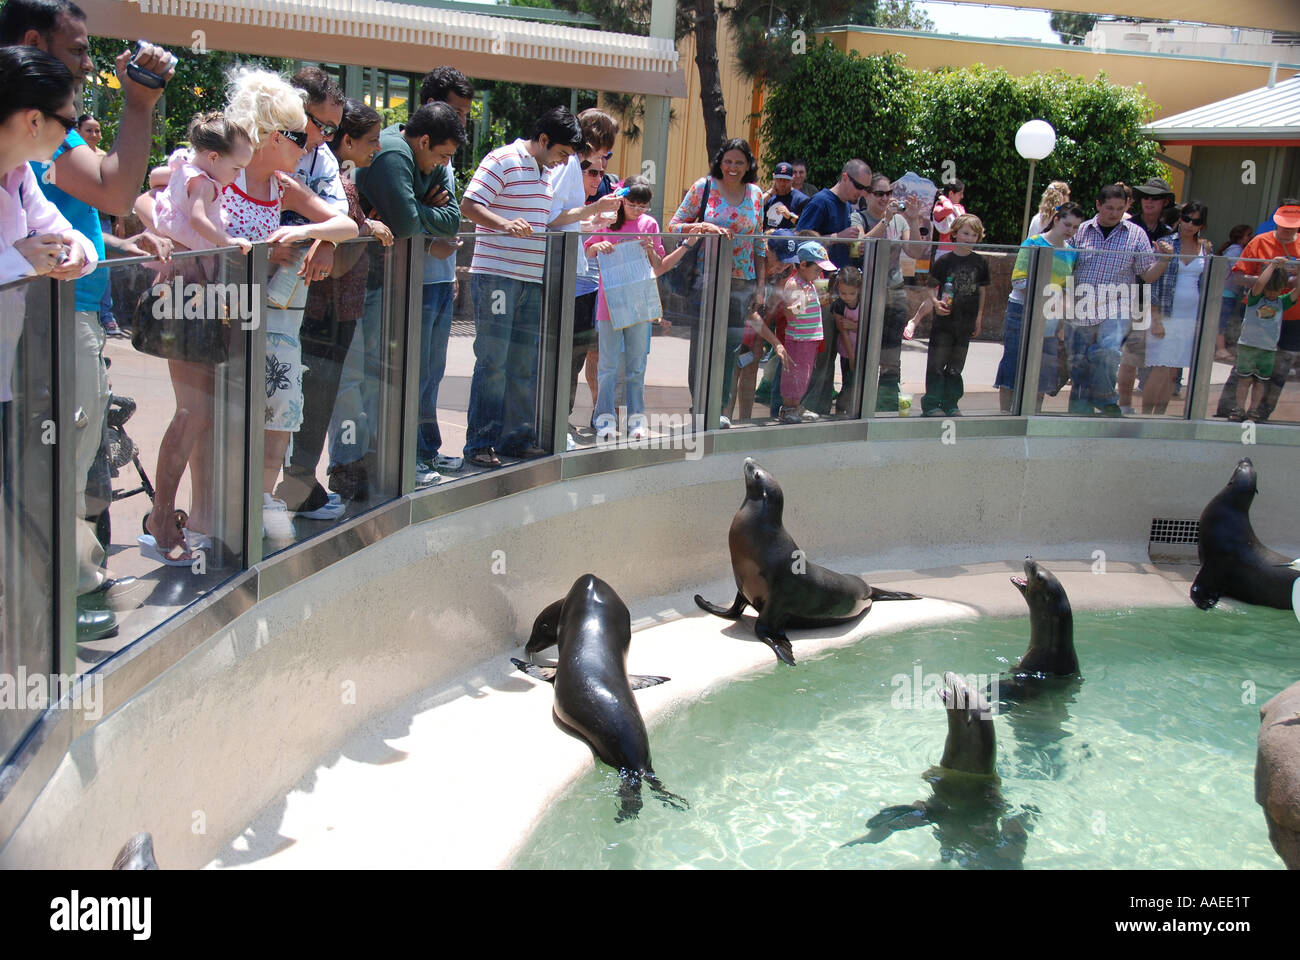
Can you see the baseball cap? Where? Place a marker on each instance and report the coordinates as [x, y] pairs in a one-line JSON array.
[[1288, 216], [784, 171], [783, 246], [1155, 187], [812, 252]]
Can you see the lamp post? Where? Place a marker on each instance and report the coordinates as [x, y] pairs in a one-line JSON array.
[[1034, 140]]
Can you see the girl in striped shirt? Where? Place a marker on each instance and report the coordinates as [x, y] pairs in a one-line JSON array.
[[803, 331]]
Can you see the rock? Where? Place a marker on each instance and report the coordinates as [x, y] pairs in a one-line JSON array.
[[1277, 773]]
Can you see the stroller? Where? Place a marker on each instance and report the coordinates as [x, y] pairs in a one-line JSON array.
[[116, 452]]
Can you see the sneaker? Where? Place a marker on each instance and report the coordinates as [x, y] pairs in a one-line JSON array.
[[111, 329], [724, 423], [569, 443], [606, 428], [1238, 415], [790, 415], [425, 474], [952, 412], [444, 462], [637, 428], [807, 416], [1127, 411], [276, 522], [1113, 410]]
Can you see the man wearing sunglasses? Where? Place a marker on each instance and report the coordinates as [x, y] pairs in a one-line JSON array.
[[1155, 198], [828, 212], [80, 183]]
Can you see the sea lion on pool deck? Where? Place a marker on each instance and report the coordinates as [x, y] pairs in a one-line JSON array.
[[775, 578], [1233, 562], [593, 692], [966, 805]]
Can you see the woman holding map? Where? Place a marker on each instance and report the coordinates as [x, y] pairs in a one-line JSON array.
[[620, 328]]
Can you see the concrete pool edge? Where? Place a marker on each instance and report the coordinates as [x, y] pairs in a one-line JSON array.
[[509, 762]]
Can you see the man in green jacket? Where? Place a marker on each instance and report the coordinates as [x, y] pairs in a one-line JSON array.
[[409, 187]]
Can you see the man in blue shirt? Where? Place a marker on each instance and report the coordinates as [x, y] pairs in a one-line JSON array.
[[788, 201], [81, 182], [828, 212]]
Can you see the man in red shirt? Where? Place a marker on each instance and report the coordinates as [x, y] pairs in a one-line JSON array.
[[1280, 242]]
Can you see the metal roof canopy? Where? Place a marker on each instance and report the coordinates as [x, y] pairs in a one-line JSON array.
[[1265, 14], [401, 37], [1269, 116]]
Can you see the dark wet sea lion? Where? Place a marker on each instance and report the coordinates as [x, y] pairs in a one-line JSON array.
[[966, 804], [593, 692], [1233, 561], [136, 854], [775, 578], [1050, 663]]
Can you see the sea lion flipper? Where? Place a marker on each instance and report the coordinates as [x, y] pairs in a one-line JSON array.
[[734, 613], [903, 816], [533, 670], [665, 797], [1203, 593], [640, 683], [779, 642], [878, 594]]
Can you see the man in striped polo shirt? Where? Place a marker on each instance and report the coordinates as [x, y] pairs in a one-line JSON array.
[[509, 202]]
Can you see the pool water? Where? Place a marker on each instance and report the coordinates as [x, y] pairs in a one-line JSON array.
[[1148, 763]]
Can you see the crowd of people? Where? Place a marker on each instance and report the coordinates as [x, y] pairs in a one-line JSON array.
[[292, 163]]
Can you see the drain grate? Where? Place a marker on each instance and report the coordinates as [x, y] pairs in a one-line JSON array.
[[1175, 531], [1173, 541]]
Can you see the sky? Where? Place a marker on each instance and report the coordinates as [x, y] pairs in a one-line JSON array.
[[985, 21]]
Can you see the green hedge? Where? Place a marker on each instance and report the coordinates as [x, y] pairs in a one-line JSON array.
[[834, 107]]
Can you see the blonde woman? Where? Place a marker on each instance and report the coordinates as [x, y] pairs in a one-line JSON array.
[[272, 114], [1056, 193]]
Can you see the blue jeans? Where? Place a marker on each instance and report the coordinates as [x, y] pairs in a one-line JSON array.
[[435, 329], [502, 395], [1094, 361], [634, 342]]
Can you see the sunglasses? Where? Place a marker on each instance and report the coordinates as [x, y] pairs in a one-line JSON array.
[[327, 130], [1195, 223], [882, 193], [860, 186], [68, 125], [299, 137]]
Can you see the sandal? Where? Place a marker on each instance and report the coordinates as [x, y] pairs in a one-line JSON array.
[[149, 549], [486, 458]]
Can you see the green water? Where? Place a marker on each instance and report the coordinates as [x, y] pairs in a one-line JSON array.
[[1149, 765]]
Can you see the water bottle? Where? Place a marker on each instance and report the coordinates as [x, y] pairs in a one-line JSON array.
[[946, 296]]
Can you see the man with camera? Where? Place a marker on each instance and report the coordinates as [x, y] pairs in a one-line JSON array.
[[81, 183]]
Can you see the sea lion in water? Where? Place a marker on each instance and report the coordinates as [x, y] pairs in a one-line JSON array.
[[966, 804], [1233, 562], [775, 578], [593, 692], [1050, 658], [136, 854]]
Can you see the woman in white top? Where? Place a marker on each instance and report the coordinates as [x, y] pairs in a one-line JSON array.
[[1175, 299], [1056, 193]]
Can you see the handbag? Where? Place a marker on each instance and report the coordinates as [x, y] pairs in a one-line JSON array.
[[176, 320], [684, 279]]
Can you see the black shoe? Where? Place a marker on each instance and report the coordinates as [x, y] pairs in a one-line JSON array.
[[531, 452], [1112, 410], [95, 625]]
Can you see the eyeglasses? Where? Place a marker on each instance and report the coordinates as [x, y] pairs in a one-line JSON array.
[[592, 173], [1195, 223], [68, 125], [860, 186], [881, 193], [327, 130], [299, 137]]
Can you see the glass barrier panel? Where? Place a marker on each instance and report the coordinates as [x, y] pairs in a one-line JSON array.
[[159, 509], [1252, 380], [491, 410], [27, 451], [960, 342], [641, 345], [330, 357]]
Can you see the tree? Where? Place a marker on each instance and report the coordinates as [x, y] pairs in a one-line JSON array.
[[1072, 27], [891, 14], [958, 123], [771, 34]]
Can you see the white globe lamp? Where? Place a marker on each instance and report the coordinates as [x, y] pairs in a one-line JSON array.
[[1034, 140]]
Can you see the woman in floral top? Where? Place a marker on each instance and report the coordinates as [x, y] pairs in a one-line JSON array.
[[734, 208]]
